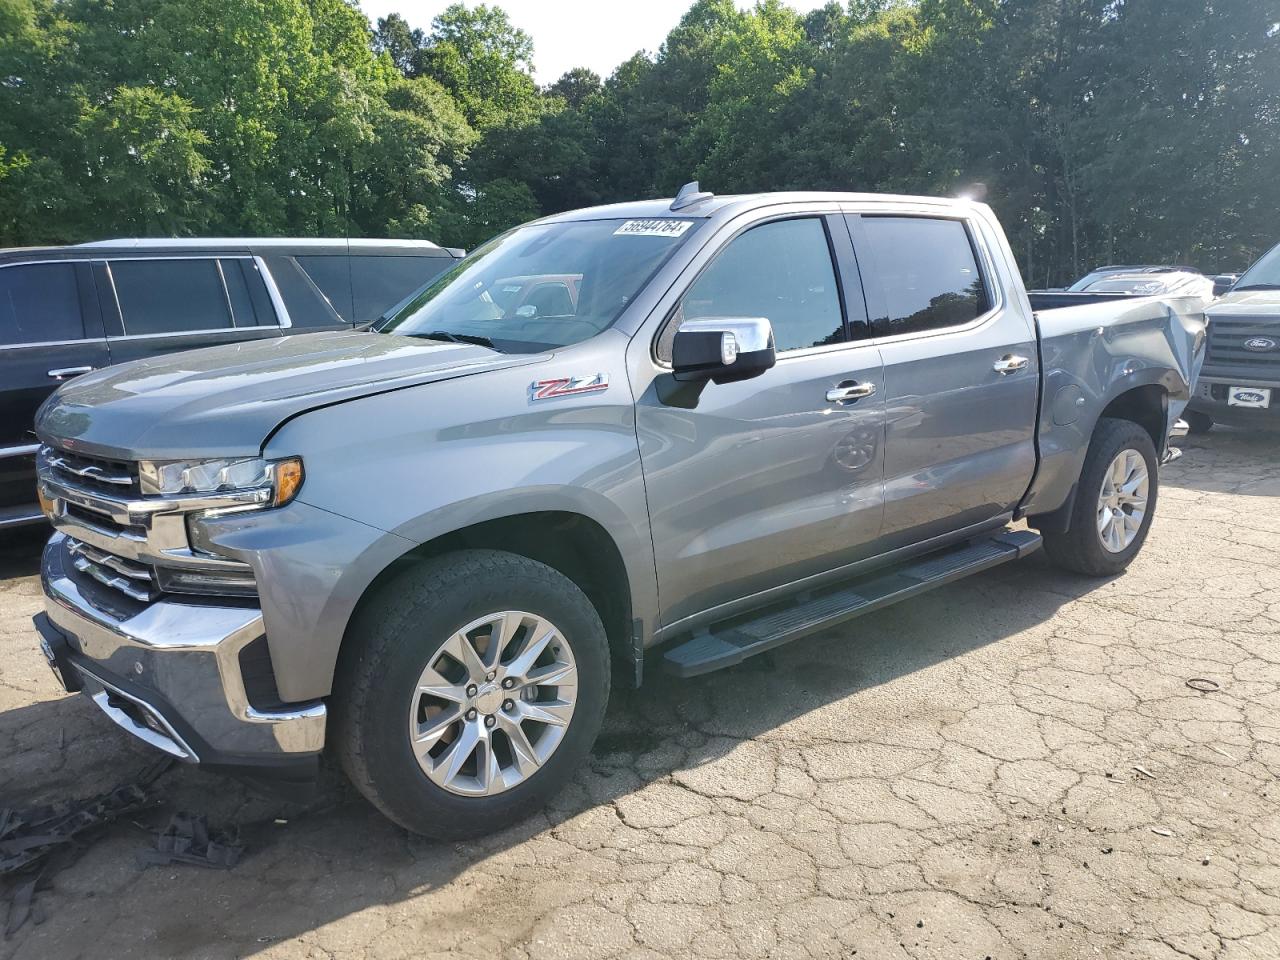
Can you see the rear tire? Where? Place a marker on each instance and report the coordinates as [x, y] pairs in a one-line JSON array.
[[1197, 422], [1108, 525], [516, 730]]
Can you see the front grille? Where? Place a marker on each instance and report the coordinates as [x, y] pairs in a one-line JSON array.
[[104, 523], [129, 577], [116, 477], [1227, 339]]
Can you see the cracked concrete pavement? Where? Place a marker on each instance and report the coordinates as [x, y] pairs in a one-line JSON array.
[[1012, 766]]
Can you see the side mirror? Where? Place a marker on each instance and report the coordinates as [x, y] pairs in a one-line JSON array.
[[1224, 282], [722, 350]]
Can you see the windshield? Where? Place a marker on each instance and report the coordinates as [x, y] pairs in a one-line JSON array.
[[1263, 275], [541, 286]]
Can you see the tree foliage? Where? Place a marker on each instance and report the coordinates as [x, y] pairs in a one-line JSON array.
[[1103, 130]]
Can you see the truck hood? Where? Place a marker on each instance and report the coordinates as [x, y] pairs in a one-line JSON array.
[[226, 401], [1247, 303]]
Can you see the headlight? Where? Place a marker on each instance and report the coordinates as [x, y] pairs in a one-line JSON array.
[[168, 478]]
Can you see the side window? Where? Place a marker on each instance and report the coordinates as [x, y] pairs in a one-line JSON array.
[[39, 302], [780, 270], [306, 303], [170, 296], [379, 283], [927, 272], [243, 307], [332, 274]]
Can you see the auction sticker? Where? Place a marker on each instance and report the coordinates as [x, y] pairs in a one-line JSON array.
[[653, 228]]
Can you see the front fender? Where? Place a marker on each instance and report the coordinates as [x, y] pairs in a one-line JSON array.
[[417, 464]]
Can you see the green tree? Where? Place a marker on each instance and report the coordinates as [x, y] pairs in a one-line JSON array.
[[483, 60], [399, 41], [576, 87], [231, 116]]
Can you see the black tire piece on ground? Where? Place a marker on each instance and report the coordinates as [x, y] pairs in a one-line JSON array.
[[387, 648], [1079, 548]]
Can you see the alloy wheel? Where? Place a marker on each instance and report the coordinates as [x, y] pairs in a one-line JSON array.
[[493, 703], [1122, 502]]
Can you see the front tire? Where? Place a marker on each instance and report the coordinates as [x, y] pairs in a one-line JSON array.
[[474, 686], [1114, 505]]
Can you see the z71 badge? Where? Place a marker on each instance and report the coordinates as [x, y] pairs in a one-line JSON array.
[[568, 386]]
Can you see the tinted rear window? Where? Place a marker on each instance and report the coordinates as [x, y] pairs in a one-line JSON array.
[[332, 274], [379, 283], [927, 272], [307, 304], [170, 296], [39, 302]]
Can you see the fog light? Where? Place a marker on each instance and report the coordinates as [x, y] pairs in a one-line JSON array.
[[230, 583]]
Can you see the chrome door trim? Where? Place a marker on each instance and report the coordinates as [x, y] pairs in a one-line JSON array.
[[182, 333], [61, 373], [1010, 363], [21, 450], [855, 391], [41, 263], [277, 301], [21, 519], [53, 343]]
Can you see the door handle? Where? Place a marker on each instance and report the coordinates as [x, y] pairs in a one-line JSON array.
[[844, 392], [63, 372], [1010, 363]]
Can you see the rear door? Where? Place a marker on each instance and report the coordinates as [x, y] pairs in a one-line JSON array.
[[759, 483], [50, 331], [961, 374], [158, 305]]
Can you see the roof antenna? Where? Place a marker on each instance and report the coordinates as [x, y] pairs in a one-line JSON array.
[[689, 195]]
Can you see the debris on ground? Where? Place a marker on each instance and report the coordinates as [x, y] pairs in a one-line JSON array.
[[1162, 831], [1204, 685], [37, 842], [1145, 772], [189, 839]]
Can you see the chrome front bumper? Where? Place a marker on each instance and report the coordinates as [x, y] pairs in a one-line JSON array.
[[171, 673]]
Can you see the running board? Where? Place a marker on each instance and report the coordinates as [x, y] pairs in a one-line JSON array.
[[725, 646]]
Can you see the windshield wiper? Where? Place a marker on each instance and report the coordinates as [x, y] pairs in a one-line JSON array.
[[1256, 286], [478, 340]]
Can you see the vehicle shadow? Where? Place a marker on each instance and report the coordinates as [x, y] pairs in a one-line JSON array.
[[339, 856], [20, 550]]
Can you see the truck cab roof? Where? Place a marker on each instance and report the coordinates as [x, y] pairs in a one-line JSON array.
[[267, 246], [714, 206]]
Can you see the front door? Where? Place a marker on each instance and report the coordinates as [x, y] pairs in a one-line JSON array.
[[756, 484], [50, 332], [961, 375]]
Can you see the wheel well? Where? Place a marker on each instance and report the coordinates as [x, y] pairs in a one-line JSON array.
[[1147, 407], [570, 543]]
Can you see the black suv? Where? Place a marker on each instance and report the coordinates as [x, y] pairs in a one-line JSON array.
[[68, 310]]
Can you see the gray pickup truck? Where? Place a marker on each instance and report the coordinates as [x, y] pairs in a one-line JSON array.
[[660, 432]]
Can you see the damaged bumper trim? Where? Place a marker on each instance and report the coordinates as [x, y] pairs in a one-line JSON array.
[[170, 674]]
